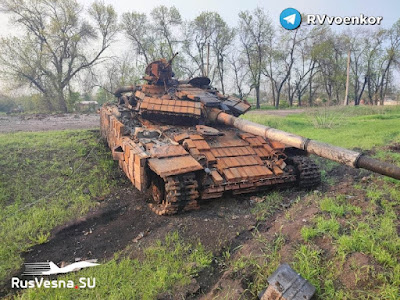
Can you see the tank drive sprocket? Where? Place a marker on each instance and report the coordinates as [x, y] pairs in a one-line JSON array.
[[175, 194], [308, 173]]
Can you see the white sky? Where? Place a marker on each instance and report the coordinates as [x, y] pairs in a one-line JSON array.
[[229, 9]]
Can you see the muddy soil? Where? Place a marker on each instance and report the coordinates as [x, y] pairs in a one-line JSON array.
[[123, 221], [44, 122], [123, 217], [231, 286]]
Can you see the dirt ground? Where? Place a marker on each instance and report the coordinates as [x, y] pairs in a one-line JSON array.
[[124, 216], [231, 286], [44, 122], [123, 219]]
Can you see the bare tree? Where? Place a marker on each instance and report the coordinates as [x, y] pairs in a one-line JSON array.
[[304, 68], [221, 41], [198, 35], [137, 29], [164, 21], [357, 44], [255, 29], [280, 62], [52, 51], [329, 55], [373, 59], [120, 71], [391, 57], [240, 74]]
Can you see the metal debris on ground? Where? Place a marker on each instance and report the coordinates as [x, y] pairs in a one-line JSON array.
[[140, 236], [287, 284]]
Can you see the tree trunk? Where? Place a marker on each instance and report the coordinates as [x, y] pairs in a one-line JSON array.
[[258, 96], [383, 85], [356, 100], [358, 96], [221, 75], [273, 93], [369, 87], [277, 100], [61, 100], [383, 94], [278, 95], [310, 100], [47, 102]]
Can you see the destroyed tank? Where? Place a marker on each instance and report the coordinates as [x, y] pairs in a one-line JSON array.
[[182, 142]]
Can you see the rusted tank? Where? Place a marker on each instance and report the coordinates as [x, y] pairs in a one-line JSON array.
[[182, 142]]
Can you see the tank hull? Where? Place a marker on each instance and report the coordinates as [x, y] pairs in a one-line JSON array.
[[181, 166]]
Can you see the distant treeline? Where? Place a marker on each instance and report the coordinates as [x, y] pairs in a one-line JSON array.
[[256, 58]]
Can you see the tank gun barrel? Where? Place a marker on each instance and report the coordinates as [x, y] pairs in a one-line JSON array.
[[338, 154], [172, 58]]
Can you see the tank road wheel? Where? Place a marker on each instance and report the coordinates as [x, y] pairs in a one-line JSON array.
[[157, 190], [308, 173], [174, 194]]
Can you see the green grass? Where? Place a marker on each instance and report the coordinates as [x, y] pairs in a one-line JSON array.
[[165, 265], [322, 226], [256, 267], [372, 232], [35, 165], [347, 224], [347, 229], [338, 206], [266, 208], [355, 127], [309, 262], [46, 179]]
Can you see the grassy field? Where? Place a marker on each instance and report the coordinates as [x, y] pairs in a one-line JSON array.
[[48, 178], [350, 249], [167, 265], [51, 177], [351, 127]]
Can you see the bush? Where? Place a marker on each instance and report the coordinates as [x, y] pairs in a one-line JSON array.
[[6, 104], [283, 104]]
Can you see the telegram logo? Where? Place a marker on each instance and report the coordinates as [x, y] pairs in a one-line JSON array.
[[290, 18]]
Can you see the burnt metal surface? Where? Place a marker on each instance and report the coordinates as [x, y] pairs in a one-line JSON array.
[[378, 166], [183, 142], [341, 155], [200, 81]]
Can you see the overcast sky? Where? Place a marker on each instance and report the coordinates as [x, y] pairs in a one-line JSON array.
[[229, 9]]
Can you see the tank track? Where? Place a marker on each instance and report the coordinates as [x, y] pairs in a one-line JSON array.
[[180, 195], [308, 173]]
